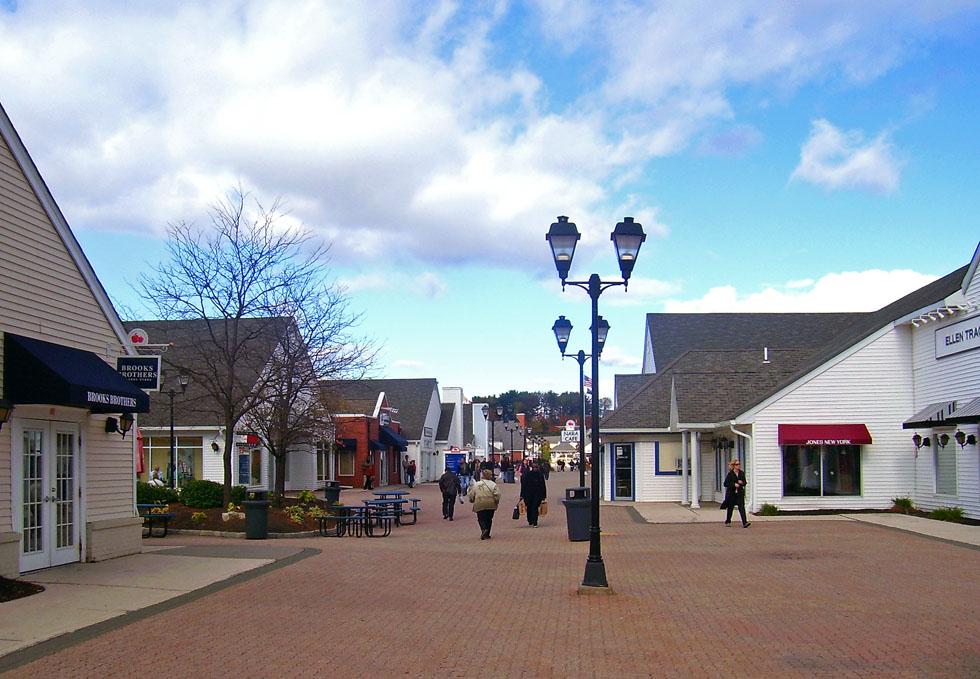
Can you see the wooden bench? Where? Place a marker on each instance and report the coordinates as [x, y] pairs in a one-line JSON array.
[[147, 514]]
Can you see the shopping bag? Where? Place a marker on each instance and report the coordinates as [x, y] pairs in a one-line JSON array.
[[517, 513], [544, 508], [521, 507]]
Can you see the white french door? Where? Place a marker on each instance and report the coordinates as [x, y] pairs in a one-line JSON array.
[[46, 472]]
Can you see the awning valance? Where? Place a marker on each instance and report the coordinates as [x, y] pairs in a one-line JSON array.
[[35, 371], [377, 445], [393, 438], [932, 415], [824, 435]]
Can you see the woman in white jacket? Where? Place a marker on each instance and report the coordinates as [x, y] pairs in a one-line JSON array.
[[485, 497]]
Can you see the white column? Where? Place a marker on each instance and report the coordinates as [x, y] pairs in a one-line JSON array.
[[685, 477], [695, 470]]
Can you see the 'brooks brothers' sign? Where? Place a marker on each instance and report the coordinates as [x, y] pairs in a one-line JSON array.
[[143, 371], [103, 399], [958, 337]]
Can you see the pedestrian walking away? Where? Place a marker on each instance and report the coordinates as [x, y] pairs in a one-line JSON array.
[[449, 485], [485, 496], [533, 492], [410, 473], [367, 468], [735, 493]]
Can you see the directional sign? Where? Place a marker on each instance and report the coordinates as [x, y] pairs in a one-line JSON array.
[[570, 436]]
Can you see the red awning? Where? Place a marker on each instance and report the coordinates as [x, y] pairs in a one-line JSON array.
[[823, 435]]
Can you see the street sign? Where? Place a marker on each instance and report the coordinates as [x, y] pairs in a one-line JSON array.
[[570, 436]]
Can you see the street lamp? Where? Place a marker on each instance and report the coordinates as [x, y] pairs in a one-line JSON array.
[[490, 421], [627, 238], [563, 330], [182, 380]]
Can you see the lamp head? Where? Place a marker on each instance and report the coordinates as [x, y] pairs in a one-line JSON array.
[[486, 411], [628, 236], [563, 330], [601, 330], [563, 236], [917, 440]]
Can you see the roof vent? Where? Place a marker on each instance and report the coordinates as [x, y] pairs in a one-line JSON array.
[[765, 355]]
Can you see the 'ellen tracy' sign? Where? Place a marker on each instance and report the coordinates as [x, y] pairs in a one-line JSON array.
[[958, 337]]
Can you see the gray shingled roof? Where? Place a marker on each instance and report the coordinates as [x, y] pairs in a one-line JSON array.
[[410, 396], [627, 385], [196, 407], [716, 367], [445, 421]]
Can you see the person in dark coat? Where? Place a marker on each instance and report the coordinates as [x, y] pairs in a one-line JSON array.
[[533, 491], [735, 493], [450, 487]]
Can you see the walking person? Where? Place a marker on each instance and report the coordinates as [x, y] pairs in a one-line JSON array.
[[410, 473], [735, 493], [449, 485], [533, 492], [367, 468], [464, 476], [485, 497]]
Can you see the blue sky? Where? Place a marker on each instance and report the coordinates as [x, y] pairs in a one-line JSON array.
[[781, 156]]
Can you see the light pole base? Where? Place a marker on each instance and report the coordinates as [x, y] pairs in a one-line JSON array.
[[592, 591], [595, 576]]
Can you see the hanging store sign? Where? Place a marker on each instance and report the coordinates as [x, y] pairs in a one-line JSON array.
[[143, 371]]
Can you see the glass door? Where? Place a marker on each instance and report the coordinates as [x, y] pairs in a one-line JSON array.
[[48, 468], [623, 471]]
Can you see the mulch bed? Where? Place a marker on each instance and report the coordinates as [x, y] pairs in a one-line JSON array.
[[893, 510], [15, 589], [279, 521]]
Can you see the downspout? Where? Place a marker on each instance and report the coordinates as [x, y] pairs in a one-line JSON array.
[[751, 444], [695, 470], [685, 451]]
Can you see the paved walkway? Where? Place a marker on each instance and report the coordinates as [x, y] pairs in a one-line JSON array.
[[783, 599]]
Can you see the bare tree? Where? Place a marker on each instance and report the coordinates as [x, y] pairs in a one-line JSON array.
[[240, 278]]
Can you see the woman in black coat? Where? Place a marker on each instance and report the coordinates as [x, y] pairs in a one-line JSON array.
[[533, 491], [735, 493]]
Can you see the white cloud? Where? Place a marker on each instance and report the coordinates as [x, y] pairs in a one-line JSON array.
[[426, 284], [834, 159], [846, 291], [613, 355], [409, 364], [641, 291]]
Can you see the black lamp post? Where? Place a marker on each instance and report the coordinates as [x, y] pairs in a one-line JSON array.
[[182, 380], [563, 330], [490, 421], [627, 238]]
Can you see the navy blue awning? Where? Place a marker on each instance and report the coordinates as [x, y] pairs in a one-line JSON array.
[[393, 438], [35, 371], [377, 445]]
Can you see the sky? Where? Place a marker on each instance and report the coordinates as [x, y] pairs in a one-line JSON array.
[[818, 156]]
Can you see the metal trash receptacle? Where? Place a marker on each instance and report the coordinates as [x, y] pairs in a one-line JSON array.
[[578, 512], [257, 516], [331, 492]]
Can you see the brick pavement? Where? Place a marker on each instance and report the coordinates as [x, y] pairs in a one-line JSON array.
[[779, 600]]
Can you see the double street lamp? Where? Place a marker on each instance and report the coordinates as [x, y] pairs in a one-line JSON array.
[[627, 238], [563, 329], [182, 380], [490, 421]]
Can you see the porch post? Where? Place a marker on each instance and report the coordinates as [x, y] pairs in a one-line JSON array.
[[695, 470], [685, 480]]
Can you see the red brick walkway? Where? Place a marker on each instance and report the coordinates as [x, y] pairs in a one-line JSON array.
[[778, 600]]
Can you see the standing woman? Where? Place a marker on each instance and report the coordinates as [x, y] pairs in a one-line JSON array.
[[533, 491], [485, 497], [735, 493]]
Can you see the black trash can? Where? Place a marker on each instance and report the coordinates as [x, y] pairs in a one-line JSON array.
[[257, 516], [331, 492], [578, 512]]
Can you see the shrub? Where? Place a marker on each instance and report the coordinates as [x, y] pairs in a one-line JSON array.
[[201, 493], [768, 510], [946, 514], [198, 517], [306, 496], [296, 513], [149, 495], [238, 494], [903, 504]]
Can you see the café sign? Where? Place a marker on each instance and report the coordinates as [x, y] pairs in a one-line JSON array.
[[958, 337]]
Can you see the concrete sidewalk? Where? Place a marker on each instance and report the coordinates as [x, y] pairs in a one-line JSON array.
[[79, 595]]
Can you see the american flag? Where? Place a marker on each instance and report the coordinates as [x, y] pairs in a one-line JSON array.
[[588, 385]]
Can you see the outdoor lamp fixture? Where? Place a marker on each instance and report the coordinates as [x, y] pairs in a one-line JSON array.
[[960, 438], [917, 440], [182, 380], [120, 426], [943, 440], [214, 446], [6, 410], [627, 238], [563, 330], [971, 440], [926, 442]]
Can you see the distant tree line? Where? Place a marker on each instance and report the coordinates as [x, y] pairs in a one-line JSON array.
[[546, 410]]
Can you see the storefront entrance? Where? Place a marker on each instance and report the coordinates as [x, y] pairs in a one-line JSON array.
[[45, 458], [623, 471]]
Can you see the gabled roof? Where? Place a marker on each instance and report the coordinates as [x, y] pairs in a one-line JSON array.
[[410, 396], [445, 421], [350, 397], [627, 385], [192, 347], [714, 384]]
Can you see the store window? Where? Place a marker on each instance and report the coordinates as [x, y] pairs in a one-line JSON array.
[[345, 463], [322, 461], [249, 466], [190, 457], [821, 470], [944, 461]]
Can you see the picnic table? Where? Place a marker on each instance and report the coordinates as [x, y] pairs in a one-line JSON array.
[[390, 494], [349, 521], [147, 514], [394, 505]]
